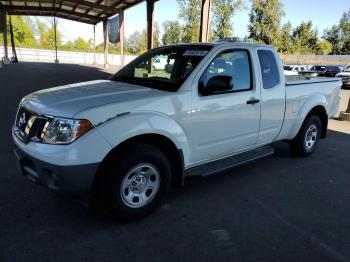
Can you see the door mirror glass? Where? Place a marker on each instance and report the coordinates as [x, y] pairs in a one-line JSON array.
[[216, 85]]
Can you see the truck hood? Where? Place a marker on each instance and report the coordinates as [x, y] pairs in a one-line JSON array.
[[68, 100]]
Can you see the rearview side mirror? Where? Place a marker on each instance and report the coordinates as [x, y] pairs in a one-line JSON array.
[[216, 85]]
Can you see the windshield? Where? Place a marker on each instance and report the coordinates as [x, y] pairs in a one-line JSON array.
[[164, 68], [288, 68]]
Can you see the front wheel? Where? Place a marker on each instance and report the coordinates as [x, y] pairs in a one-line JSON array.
[[136, 182], [304, 144]]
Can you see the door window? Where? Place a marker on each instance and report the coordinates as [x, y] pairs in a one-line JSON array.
[[234, 64], [269, 69]]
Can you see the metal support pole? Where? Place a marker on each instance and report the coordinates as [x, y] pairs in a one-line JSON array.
[[121, 36], [14, 53], [345, 115], [94, 62], [55, 29], [105, 42], [204, 26], [150, 12], [4, 34]]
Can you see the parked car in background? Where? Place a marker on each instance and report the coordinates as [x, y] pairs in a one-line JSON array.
[[307, 67], [293, 69], [331, 71], [314, 70], [345, 76]]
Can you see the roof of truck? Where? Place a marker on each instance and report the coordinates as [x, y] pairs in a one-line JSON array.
[[237, 43]]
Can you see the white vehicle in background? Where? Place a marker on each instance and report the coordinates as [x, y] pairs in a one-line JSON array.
[[290, 70], [160, 62], [345, 76], [125, 140], [307, 67]]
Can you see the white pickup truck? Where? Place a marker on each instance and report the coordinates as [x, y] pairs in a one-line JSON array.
[[124, 140]]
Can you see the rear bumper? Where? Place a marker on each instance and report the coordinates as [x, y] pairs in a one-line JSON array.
[[75, 180]]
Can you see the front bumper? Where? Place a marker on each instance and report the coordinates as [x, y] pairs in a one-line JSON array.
[[67, 169], [74, 180], [346, 80]]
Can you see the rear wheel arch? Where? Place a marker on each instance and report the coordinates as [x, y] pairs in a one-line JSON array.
[[321, 112]]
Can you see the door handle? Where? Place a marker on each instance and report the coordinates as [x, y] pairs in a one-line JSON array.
[[253, 101]]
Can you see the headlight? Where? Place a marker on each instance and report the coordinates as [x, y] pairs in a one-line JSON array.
[[65, 131]]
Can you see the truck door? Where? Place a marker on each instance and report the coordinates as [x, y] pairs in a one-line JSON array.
[[225, 119], [272, 96]]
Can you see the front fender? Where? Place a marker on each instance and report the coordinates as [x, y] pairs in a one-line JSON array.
[[120, 129], [309, 104]]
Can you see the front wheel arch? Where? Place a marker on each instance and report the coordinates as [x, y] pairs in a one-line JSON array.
[[161, 142]]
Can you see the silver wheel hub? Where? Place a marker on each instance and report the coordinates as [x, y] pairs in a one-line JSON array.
[[311, 137], [140, 185]]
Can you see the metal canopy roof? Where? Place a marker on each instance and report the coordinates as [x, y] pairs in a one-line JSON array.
[[85, 11]]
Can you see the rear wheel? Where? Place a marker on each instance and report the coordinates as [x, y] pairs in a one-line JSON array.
[[304, 144], [136, 183]]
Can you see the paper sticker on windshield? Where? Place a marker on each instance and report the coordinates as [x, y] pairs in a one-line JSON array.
[[195, 53]]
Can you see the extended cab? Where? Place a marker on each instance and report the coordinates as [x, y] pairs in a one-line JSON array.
[[212, 107]]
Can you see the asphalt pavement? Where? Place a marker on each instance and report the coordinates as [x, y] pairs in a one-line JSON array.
[[278, 209]]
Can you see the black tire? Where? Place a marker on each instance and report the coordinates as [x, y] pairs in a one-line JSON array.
[[115, 173], [298, 146]]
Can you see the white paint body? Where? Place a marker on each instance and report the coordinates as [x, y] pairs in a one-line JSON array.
[[205, 128], [295, 70]]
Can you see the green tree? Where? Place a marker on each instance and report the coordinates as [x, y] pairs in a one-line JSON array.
[[136, 43], [156, 35], [286, 45], [339, 35], [344, 26], [323, 47], [223, 12], [172, 33], [305, 39], [264, 21], [23, 31], [80, 44], [190, 13], [47, 36], [332, 35], [68, 46]]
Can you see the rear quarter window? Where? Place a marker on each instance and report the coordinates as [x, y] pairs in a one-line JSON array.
[[269, 69]]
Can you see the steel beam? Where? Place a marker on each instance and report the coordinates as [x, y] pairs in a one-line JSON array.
[[204, 26], [121, 36], [94, 44], [105, 42], [57, 14], [14, 53], [4, 32], [29, 9], [150, 18]]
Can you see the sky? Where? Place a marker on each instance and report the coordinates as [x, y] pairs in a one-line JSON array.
[[323, 14]]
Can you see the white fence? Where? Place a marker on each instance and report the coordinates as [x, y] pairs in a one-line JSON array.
[[65, 57]]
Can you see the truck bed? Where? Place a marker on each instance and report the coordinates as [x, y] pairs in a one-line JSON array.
[[303, 92], [302, 79]]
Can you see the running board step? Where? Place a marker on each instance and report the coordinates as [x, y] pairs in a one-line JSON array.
[[230, 162]]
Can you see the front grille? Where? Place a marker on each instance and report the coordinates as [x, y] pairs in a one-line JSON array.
[[29, 125], [345, 79]]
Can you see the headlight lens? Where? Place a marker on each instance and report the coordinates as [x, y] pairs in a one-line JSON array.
[[65, 131]]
